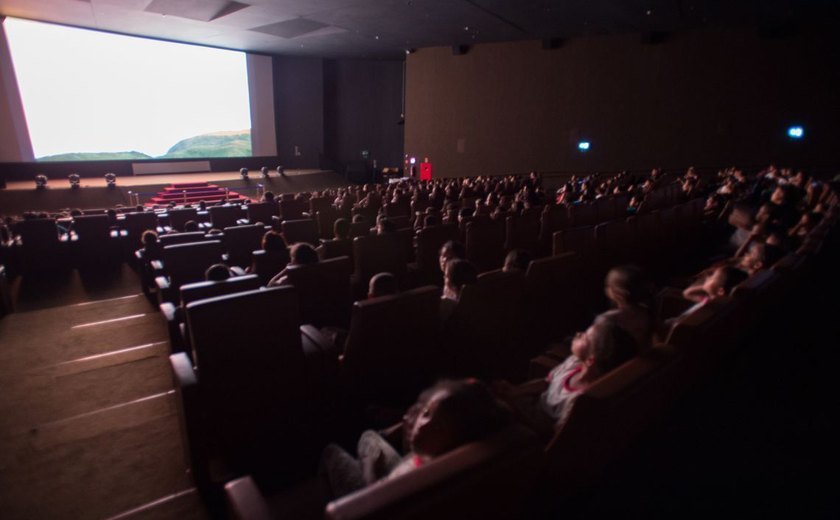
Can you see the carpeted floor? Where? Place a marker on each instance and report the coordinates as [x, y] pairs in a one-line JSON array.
[[88, 424]]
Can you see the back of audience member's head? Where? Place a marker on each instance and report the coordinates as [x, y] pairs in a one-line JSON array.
[[382, 284], [215, 231], [457, 274], [75, 212], [385, 225], [217, 273], [449, 250], [303, 254], [341, 229], [273, 241], [358, 218], [629, 285], [190, 226], [268, 196], [453, 413], [431, 221], [149, 237], [517, 260]]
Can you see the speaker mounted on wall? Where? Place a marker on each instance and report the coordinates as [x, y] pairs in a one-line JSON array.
[[458, 50]]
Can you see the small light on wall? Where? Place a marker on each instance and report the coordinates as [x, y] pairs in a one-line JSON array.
[[583, 146], [413, 160], [796, 132]]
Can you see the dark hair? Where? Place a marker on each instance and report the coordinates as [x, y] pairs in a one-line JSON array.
[[430, 221], [273, 241], [386, 225], [304, 254], [383, 284], [358, 217], [732, 276], [631, 284], [268, 196], [190, 225], [518, 259], [470, 409], [612, 346], [341, 228], [149, 236], [217, 273], [454, 249]]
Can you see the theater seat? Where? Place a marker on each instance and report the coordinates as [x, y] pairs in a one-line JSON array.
[[324, 291], [268, 264], [485, 244], [93, 240], [378, 254], [263, 212], [185, 263], [240, 243], [301, 230], [491, 478], [170, 239], [40, 245], [429, 241], [335, 248], [222, 217], [179, 217], [392, 349]]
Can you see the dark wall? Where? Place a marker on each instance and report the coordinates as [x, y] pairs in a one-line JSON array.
[[362, 105], [704, 98], [299, 110]]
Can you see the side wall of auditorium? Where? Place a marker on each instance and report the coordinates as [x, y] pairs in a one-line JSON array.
[[701, 97]]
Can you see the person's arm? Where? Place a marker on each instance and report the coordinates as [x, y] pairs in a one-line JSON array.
[[695, 293], [279, 279]]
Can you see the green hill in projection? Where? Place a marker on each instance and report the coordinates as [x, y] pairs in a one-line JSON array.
[[95, 156], [217, 144], [235, 143]]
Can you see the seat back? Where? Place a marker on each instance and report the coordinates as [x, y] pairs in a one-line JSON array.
[[429, 242], [291, 209], [580, 240], [262, 212], [485, 244], [605, 209], [379, 253], [582, 214], [136, 223], [605, 420], [251, 370], [92, 228], [222, 217], [480, 332], [268, 264], [324, 291], [186, 263], [335, 248], [195, 291], [172, 239], [241, 241], [615, 241], [392, 349], [522, 232], [301, 230], [359, 229], [179, 217], [490, 478], [38, 234], [325, 218]]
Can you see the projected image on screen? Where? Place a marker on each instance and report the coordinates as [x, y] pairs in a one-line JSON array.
[[90, 95]]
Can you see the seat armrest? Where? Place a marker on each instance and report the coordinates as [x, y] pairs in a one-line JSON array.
[[157, 265], [183, 372], [162, 283], [237, 271], [315, 335], [169, 311], [245, 502], [139, 255]]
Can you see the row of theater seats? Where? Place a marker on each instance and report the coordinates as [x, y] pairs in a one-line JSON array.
[[514, 475], [393, 348]]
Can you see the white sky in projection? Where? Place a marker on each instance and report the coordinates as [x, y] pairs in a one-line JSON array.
[[89, 91]]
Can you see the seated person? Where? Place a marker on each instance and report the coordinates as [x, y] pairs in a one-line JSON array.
[[385, 225], [382, 284], [545, 404], [446, 416], [190, 226], [759, 256], [301, 254], [341, 229], [456, 275], [217, 273], [517, 261], [717, 284], [449, 251], [631, 293], [275, 247], [151, 247]]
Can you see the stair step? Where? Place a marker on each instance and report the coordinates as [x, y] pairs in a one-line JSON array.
[[179, 185]]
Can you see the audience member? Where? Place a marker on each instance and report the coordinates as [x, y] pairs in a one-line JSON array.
[[382, 284]]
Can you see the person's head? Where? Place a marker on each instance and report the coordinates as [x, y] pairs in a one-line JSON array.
[[603, 346], [722, 280], [453, 413], [517, 260], [431, 221], [273, 241], [382, 284], [385, 225], [149, 237], [781, 195], [190, 225], [202, 205], [341, 228], [75, 212], [759, 256], [217, 273], [303, 254], [628, 285], [359, 218], [456, 275], [465, 213], [448, 251], [268, 196]]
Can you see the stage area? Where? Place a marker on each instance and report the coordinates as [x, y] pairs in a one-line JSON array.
[[22, 196]]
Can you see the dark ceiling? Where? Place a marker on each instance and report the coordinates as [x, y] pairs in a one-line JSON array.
[[387, 28]]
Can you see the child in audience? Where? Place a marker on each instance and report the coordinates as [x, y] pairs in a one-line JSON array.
[[190, 226], [217, 273], [717, 284], [544, 404], [300, 254], [450, 251], [151, 246], [446, 416], [456, 275], [517, 261], [631, 292]]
